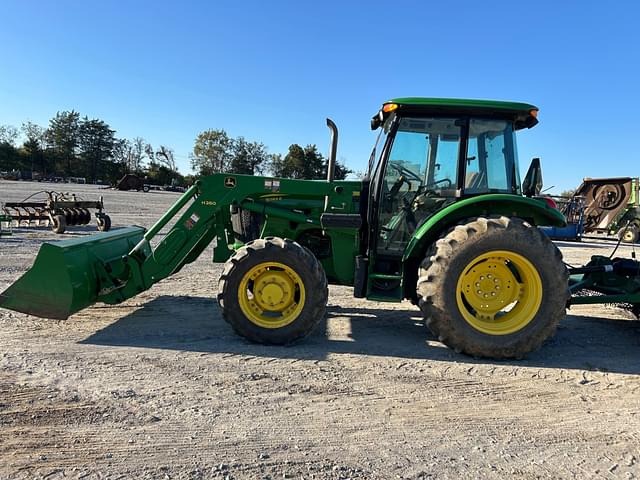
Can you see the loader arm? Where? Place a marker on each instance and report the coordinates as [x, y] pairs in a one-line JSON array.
[[207, 218], [70, 275]]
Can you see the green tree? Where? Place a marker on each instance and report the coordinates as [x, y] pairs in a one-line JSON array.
[[10, 158], [121, 154], [247, 157], [148, 150], [8, 135], [291, 165], [159, 174], [212, 152], [304, 163], [341, 171], [188, 180], [33, 146], [165, 156], [96, 141], [63, 138], [314, 163], [137, 154], [275, 164]]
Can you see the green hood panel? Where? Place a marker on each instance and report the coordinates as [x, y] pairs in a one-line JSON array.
[[536, 212]]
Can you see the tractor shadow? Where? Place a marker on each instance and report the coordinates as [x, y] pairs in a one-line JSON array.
[[195, 324]]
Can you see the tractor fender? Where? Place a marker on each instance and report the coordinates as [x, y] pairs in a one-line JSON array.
[[537, 212]]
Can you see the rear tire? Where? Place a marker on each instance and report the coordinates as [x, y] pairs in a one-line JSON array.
[[59, 224], [273, 291], [493, 287]]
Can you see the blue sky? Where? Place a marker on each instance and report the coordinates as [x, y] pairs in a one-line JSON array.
[[272, 71]]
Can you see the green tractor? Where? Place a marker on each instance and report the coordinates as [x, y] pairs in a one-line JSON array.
[[440, 219]]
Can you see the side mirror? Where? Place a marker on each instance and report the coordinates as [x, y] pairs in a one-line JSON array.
[[377, 120], [532, 184]]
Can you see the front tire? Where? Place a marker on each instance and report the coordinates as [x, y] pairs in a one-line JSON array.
[[273, 291], [493, 287]]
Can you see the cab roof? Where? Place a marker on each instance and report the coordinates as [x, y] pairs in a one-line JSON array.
[[524, 115]]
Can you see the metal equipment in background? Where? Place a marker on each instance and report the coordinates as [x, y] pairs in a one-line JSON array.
[[600, 206], [611, 207], [57, 210], [132, 182], [573, 210]]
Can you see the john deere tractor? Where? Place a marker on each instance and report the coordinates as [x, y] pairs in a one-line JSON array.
[[440, 219]]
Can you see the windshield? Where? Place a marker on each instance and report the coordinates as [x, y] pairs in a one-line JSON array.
[[426, 151]]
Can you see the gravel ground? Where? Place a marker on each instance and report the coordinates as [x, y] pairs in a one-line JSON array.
[[160, 387]]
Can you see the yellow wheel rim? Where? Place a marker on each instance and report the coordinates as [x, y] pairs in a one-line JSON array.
[[499, 292], [271, 295]]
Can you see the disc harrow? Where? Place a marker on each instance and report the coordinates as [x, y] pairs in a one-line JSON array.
[[58, 210]]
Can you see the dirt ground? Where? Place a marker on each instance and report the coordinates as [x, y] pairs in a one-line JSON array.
[[160, 387]]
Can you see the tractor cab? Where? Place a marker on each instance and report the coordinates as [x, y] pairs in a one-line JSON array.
[[430, 154]]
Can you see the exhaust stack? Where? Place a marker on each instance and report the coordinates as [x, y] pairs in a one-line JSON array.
[[333, 148]]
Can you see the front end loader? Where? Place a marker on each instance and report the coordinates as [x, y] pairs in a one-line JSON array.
[[441, 219]]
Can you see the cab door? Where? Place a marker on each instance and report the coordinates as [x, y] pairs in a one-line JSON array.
[[418, 177]]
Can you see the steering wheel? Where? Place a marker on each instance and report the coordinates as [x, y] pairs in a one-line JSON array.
[[397, 166], [429, 191], [438, 182]]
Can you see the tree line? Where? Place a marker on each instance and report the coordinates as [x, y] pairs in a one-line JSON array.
[[76, 146], [215, 152]]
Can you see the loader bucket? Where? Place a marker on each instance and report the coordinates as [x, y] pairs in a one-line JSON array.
[[64, 278]]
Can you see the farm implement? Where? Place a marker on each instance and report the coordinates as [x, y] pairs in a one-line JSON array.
[[57, 210], [607, 280], [601, 206], [441, 219]]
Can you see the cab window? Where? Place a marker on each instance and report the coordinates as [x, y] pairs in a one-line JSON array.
[[491, 158]]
